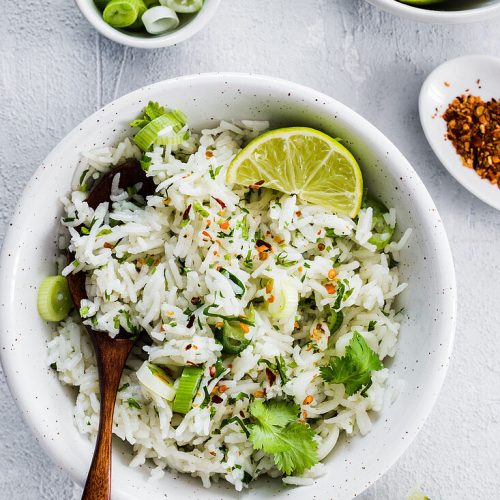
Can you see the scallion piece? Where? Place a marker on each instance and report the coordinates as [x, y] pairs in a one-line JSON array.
[[152, 132], [381, 231], [54, 300], [235, 280], [188, 386], [158, 20], [123, 13], [183, 6]]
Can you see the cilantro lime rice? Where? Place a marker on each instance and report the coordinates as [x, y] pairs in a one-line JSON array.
[[283, 311]]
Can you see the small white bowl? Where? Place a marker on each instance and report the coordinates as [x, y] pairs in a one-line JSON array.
[[476, 75], [426, 335], [190, 24], [463, 11]]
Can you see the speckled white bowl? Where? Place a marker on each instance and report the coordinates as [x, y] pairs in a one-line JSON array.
[[453, 12], [430, 300], [190, 25]]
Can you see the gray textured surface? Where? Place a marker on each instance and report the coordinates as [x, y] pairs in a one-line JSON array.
[[55, 70]]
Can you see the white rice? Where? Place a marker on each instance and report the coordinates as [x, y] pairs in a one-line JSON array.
[[146, 270]]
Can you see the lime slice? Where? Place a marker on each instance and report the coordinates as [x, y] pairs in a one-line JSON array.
[[183, 6], [302, 161]]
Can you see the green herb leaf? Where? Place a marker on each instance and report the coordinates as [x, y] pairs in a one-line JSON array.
[[132, 403], [354, 369], [278, 433]]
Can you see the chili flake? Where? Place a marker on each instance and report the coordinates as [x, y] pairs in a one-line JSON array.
[[473, 127]]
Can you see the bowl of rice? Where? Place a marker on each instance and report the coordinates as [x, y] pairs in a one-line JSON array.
[[318, 350]]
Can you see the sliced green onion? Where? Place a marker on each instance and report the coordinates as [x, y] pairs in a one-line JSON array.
[[150, 134], [54, 300], [188, 386], [233, 338], [198, 207], [155, 379], [381, 231], [160, 19], [123, 13], [183, 6], [286, 299], [335, 320], [234, 279], [241, 319]]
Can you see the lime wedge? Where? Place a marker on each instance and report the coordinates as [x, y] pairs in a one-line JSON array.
[[305, 162]]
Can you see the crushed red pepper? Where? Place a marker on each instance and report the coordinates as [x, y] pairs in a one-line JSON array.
[[473, 127]]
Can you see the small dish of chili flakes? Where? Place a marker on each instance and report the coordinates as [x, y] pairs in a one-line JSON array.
[[459, 108]]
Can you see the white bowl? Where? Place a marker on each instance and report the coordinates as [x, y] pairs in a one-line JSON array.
[[190, 25], [476, 75], [430, 300], [457, 11]]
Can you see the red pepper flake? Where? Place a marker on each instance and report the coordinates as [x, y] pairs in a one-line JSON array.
[[220, 202], [216, 399], [209, 153], [224, 225], [330, 289], [187, 347], [256, 185], [190, 322], [223, 388], [242, 414], [185, 215], [108, 245], [195, 301], [321, 246], [271, 377], [212, 371], [207, 235], [473, 127], [446, 84], [263, 246]]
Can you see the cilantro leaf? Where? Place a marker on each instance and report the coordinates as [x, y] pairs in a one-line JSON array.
[[354, 369], [278, 433], [301, 453]]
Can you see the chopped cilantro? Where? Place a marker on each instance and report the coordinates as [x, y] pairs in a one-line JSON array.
[[123, 387], [278, 433], [355, 367], [371, 325], [132, 403]]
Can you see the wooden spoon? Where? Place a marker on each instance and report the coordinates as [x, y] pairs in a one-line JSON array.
[[111, 353]]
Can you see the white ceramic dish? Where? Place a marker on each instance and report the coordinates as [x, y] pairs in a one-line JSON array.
[[476, 75], [426, 336], [189, 26], [457, 11]]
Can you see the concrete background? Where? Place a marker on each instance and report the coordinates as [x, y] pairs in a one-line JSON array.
[[55, 70]]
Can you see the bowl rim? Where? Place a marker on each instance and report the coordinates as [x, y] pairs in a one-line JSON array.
[[471, 15], [199, 21], [444, 261]]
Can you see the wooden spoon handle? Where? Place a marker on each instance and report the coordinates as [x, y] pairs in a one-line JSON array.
[[111, 355]]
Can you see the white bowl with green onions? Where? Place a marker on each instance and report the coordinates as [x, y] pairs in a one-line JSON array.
[[427, 306], [148, 24], [441, 11]]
